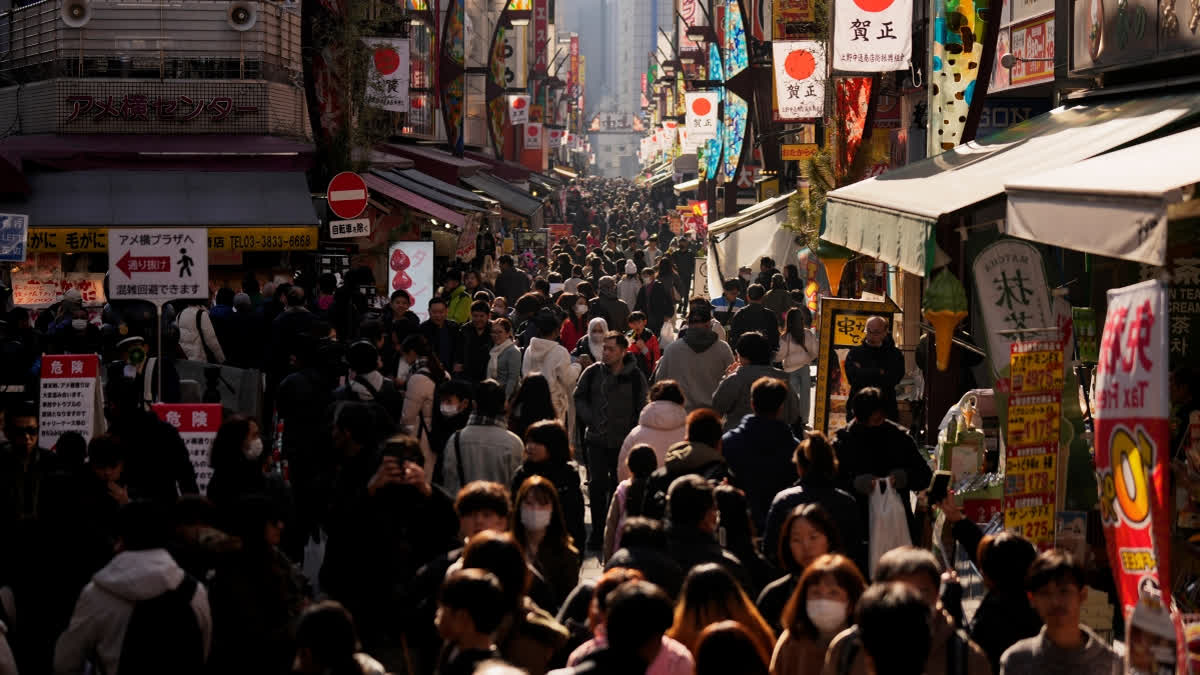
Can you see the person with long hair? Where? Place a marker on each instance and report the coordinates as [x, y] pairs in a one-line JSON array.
[[798, 349], [576, 324], [727, 648], [629, 496], [327, 643], [669, 277], [808, 533], [548, 454], [710, 595], [540, 527], [504, 358], [821, 607], [532, 403], [237, 460], [425, 374]]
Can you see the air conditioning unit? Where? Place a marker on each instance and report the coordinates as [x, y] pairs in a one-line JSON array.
[[241, 16], [76, 13]]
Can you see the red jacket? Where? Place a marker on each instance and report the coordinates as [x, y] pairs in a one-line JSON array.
[[649, 359], [569, 335]]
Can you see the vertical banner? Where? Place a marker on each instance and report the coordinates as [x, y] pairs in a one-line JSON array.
[[387, 79], [533, 136], [872, 36], [1132, 437], [853, 103], [410, 268], [800, 79], [541, 36], [197, 424], [554, 137], [518, 109], [1013, 295], [1032, 444], [962, 38], [689, 15], [573, 88], [68, 398], [701, 119]]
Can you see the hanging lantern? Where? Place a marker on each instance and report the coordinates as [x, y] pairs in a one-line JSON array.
[[944, 305], [834, 258]]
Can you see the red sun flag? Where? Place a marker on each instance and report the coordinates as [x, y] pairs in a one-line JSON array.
[[519, 103], [873, 5], [701, 107], [800, 64], [533, 131], [387, 60]]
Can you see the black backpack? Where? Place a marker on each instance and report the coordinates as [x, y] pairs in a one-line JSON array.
[[163, 635], [654, 502]]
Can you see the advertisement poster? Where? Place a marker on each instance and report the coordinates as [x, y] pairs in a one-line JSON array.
[[69, 397], [843, 325], [1031, 448], [872, 36], [197, 424], [38, 291], [387, 79], [1132, 409], [410, 268]]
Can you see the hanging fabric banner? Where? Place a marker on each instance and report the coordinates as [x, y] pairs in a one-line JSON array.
[[518, 109], [702, 115], [960, 66], [555, 137], [872, 36], [533, 136], [387, 77], [1132, 438], [800, 79], [853, 103]]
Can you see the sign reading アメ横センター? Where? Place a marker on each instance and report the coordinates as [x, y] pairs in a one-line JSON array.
[[158, 264], [1132, 437]]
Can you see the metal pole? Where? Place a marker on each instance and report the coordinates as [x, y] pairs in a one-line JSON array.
[[158, 362]]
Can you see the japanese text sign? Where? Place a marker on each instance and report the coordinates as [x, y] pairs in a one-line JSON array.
[[67, 399], [518, 109], [14, 230], [1036, 367], [138, 107], [800, 77], [533, 136], [541, 35], [37, 292], [1032, 445], [1132, 432], [1011, 283], [701, 119], [872, 36], [197, 424], [388, 73], [349, 229], [158, 265]]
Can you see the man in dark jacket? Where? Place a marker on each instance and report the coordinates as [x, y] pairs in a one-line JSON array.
[[512, 283], [655, 301], [876, 363], [609, 307], [23, 466], [732, 397], [759, 449], [691, 526], [755, 317], [441, 332], [475, 344], [875, 448], [157, 464], [608, 400]]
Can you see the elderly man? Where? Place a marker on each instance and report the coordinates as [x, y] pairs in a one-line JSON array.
[[876, 363]]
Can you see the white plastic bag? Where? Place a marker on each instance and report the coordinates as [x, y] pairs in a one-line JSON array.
[[889, 523], [667, 335], [314, 557]]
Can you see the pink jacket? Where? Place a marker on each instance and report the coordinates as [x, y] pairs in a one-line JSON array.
[[660, 425]]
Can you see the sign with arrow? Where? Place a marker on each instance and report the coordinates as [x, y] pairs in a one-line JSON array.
[[14, 233], [158, 265]]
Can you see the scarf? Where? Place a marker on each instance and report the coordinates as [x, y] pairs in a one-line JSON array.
[[596, 348], [494, 358]]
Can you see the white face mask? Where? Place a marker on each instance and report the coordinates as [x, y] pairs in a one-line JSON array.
[[79, 324], [449, 410], [648, 280], [746, 277], [253, 450], [827, 615], [581, 309], [535, 519]]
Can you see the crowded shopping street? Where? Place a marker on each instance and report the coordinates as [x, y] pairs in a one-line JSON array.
[[599, 337]]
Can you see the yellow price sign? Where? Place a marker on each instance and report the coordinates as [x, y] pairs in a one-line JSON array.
[[1035, 523], [1036, 367], [1034, 420], [848, 329], [1035, 474]]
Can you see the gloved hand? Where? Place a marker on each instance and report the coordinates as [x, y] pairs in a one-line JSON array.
[[899, 478]]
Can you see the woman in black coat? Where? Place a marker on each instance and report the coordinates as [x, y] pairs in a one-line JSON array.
[[548, 454]]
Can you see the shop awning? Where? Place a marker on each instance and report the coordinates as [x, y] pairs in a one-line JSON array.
[[501, 168], [891, 217], [660, 179], [166, 198], [441, 165], [687, 186], [451, 202], [538, 181], [565, 172], [745, 237], [1114, 205], [444, 187], [554, 181], [511, 197], [416, 201]]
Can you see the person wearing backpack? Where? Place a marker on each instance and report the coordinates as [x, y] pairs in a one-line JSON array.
[[699, 453], [141, 613], [197, 337]]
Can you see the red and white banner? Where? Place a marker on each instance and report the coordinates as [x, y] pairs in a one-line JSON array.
[[68, 397], [541, 36], [1132, 438], [410, 268], [872, 36], [555, 138], [518, 109], [701, 120], [197, 424], [39, 292], [388, 73], [800, 79], [533, 136]]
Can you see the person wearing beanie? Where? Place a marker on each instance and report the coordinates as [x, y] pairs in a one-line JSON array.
[[629, 285]]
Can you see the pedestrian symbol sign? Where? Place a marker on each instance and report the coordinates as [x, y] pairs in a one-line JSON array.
[[158, 265]]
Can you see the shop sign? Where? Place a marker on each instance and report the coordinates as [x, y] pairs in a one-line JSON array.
[[349, 229], [541, 35], [1106, 36], [800, 79], [1036, 367], [1031, 465], [410, 268], [872, 36], [158, 265], [843, 323], [1132, 436], [138, 107], [1184, 296], [793, 19], [40, 292], [197, 424], [796, 152], [68, 240], [262, 238], [1013, 295], [388, 74], [14, 230], [1032, 40], [68, 398], [1087, 341]]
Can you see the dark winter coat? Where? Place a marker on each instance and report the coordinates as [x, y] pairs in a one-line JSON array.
[[759, 452], [607, 404]]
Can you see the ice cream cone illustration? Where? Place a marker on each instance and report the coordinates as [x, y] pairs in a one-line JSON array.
[[834, 258], [945, 305]]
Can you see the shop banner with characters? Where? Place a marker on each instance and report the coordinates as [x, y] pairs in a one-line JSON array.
[[1132, 432]]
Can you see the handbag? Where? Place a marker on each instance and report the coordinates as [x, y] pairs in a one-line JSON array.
[[888, 523]]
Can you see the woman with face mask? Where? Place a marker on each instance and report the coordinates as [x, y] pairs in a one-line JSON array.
[[238, 463], [589, 348], [575, 325], [540, 528], [808, 533], [821, 607]]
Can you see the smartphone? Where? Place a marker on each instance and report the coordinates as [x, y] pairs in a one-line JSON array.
[[939, 487]]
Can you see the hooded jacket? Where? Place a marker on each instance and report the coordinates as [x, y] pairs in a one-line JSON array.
[[627, 289], [759, 452], [609, 404], [697, 361], [732, 395], [661, 425], [554, 362], [97, 626], [458, 308], [611, 308]]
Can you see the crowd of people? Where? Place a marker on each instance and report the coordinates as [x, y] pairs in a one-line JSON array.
[[447, 479]]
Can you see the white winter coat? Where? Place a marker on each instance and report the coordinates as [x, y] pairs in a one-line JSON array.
[[189, 335], [553, 361], [105, 606], [660, 425]]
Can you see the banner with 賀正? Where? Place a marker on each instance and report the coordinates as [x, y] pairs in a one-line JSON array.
[[800, 78], [872, 36]]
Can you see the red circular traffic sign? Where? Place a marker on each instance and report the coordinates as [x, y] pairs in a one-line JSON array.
[[347, 195]]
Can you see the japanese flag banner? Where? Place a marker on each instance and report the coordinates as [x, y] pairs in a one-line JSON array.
[[800, 78], [701, 119], [872, 36], [1132, 438], [555, 136], [533, 136], [388, 77], [672, 129], [518, 109]]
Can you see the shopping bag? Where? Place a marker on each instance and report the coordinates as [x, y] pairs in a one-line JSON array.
[[889, 523], [667, 335], [314, 557]]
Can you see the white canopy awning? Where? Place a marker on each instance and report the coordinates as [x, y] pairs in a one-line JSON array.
[[687, 186], [891, 216], [745, 237], [1114, 205]]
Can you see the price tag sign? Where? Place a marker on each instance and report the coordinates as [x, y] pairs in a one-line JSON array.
[[1036, 367], [1033, 419], [1035, 523], [1031, 474]]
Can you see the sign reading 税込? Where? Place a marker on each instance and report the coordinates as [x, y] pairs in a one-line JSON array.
[[197, 424], [1132, 435], [158, 264]]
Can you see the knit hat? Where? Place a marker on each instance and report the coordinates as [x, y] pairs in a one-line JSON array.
[[630, 267]]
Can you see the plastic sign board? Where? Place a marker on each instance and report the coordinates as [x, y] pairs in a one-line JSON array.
[[197, 424], [158, 264], [14, 232], [349, 229], [410, 268], [68, 397]]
